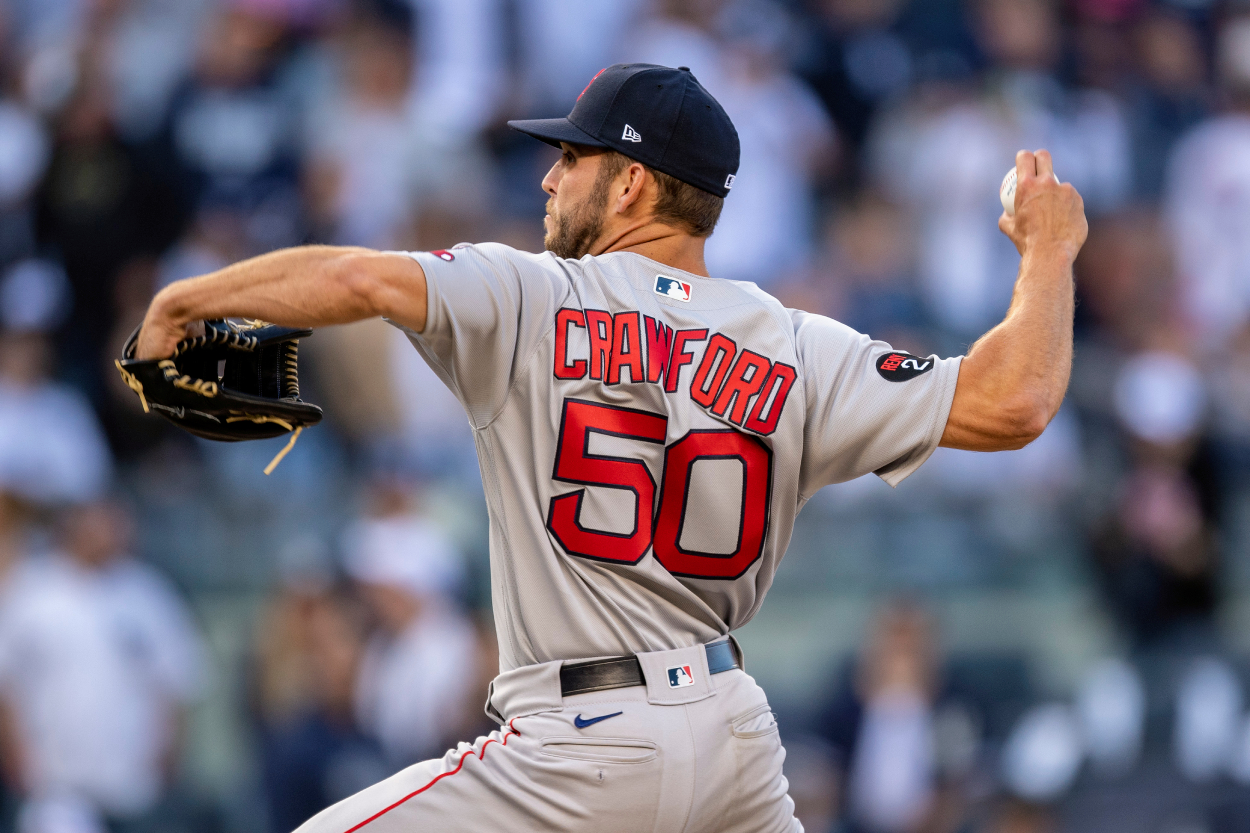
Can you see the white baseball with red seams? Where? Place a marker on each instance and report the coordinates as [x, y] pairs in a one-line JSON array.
[[1007, 191]]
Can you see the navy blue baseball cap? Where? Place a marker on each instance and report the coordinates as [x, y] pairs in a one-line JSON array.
[[659, 116]]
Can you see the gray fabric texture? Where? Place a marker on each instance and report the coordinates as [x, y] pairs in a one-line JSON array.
[[558, 366]]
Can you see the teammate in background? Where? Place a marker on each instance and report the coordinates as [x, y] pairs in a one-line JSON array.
[[647, 435]]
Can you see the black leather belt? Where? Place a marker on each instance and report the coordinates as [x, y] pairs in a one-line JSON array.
[[621, 672]]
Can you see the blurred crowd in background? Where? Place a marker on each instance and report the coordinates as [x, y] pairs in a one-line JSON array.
[[1051, 639]]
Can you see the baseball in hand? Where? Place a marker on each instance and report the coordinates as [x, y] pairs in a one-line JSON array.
[[1007, 191]]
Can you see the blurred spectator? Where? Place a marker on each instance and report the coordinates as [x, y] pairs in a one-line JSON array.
[[767, 230], [864, 275], [433, 427], [45, 39], [1111, 706], [102, 203], [149, 48], [364, 407], [1125, 287], [812, 771], [967, 267], [459, 77], [1043, 753], [1207, 203], [1028, 484], [891, 785], [1169, 94], [51, 446], [99, 659], [856, 59], [1156, 546], [679, 33], [1209, 704], [768, 227], [906, 748], [1229, 384], [213, 239], [389, 165], [311, 640], [361, 177], [234, 124], [589, 32], [36, 24], [418, 680], [24, 151], [870, 258]]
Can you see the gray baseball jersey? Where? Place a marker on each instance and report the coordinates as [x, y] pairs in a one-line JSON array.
[[647, 436]]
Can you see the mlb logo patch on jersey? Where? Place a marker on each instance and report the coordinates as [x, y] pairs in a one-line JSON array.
[[672, 288], [443, 254], [680, 676]]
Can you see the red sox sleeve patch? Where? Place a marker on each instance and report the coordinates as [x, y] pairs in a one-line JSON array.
[[899, 367]]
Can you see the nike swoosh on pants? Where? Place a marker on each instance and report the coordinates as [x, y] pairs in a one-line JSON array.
[[582, 724]]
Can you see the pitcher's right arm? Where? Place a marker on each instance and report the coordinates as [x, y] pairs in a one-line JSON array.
[[1014, 378]]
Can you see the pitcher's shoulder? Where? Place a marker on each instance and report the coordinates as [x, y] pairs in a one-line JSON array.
[[768, 304], [503, 252], [671, 282]]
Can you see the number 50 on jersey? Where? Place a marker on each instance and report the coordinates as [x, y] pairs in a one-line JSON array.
[[661, 531]]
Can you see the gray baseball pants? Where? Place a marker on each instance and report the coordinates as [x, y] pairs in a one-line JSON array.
[[702, 758]]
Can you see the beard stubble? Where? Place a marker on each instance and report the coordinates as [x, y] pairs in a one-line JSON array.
[[573, 233]]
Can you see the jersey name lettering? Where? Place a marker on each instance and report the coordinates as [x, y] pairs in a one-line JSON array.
[[740, 386]]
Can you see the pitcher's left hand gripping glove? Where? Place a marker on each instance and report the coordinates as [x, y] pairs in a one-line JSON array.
[[237, 381]]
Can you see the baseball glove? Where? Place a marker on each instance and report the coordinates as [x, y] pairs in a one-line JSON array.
[[237, 381]]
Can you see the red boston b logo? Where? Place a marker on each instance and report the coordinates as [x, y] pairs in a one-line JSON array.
[[592, 80]]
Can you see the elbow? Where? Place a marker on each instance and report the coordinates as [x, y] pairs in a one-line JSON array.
[[993, 411], [358, 284], [1023, 420], [372, 283]]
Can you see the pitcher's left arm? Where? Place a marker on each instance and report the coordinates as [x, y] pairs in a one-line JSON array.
[[306, 286]]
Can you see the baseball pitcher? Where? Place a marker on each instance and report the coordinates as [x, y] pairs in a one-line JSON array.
[[647, 434]]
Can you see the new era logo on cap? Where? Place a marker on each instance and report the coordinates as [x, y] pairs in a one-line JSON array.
[[630, 135], [729, 182], [680, 676], [672, 288]]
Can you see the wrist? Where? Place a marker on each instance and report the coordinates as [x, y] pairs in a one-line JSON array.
[[1052, 251], [169, 308]]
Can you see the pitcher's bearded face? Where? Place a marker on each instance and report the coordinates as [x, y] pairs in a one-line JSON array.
[[571, 233], [573, 227]]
